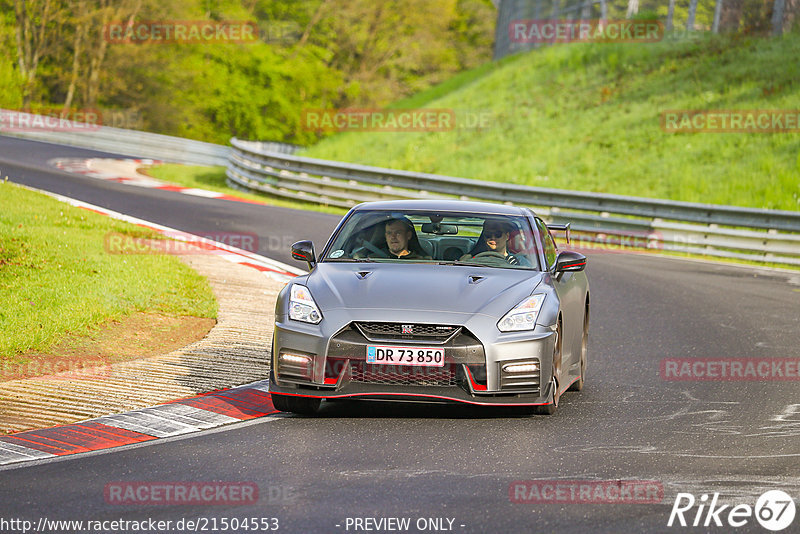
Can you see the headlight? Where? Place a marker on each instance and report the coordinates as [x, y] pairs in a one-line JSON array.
[[302, 306], [523, 316]]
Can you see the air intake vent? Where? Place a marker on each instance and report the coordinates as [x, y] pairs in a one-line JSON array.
[[403, 376], [436, 333], [527, 377]]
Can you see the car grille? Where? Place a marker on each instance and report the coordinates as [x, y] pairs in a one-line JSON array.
[[437, 333], [398, 375]]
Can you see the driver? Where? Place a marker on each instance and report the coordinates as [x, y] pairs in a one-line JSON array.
[[493, 238], [401, 242]]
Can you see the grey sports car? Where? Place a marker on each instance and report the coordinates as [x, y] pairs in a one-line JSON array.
[[433, 301]]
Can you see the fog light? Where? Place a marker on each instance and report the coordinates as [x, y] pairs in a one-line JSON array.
[[521, 367], [294, 358]]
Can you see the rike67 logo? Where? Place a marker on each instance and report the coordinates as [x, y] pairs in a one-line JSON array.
[[774, 510]]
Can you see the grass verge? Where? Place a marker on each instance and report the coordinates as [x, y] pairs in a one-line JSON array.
[[57, 279], [588, 117]]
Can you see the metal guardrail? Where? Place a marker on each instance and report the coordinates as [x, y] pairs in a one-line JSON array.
[[602, 220], [133, 143]]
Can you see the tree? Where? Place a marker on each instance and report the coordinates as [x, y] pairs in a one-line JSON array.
[[717, 11], [692, 13], [777, 17], [36, 33], [633, 8], [10, 81], [792, 10], [105, 12], [343, 53], [670, 15], [79, 15], [730, 15], [391, 48]]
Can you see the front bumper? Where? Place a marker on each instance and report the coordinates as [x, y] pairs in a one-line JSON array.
[[473, 370]]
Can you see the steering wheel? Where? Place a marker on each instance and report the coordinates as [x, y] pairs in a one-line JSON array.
[[493, 254], [489, 254], [373, 248]]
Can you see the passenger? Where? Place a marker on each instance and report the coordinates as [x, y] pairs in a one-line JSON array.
[[494, 238]]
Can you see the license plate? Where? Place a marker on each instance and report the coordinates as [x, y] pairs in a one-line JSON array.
[[394, 355]]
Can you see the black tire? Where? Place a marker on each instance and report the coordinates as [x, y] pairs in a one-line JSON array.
[[300, 405], [578, 384], [550, 409]]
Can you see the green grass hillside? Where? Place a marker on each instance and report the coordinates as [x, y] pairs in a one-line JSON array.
[[587, 117]]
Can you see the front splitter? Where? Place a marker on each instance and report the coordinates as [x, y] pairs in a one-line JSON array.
[[375, 392]]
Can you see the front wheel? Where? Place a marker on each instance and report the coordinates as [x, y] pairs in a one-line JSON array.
[[578, 384], [299, 405], [550, 409]]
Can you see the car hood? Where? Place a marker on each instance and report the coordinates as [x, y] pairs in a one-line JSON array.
[[423, 287]]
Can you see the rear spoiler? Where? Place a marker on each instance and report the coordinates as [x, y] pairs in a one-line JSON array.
[[563, 227]]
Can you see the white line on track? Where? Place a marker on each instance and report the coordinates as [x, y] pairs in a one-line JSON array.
[[277, 269]]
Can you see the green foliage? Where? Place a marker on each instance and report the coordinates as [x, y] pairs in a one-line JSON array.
[[248, 91], [10, 81], [312, 54], [10, 84]]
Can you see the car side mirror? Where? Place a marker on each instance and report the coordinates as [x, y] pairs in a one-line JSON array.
[[304, 251], [569, 261]]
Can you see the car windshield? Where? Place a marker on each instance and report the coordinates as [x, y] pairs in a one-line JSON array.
[[501, 241]]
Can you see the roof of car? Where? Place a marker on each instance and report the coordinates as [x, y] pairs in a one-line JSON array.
[[467, 206]]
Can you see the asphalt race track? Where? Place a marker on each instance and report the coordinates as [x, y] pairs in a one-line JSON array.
[[738, 438]]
